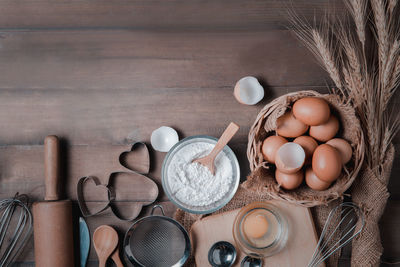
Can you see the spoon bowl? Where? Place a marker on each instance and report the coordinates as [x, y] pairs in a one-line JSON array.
[[251, 262], [105, 241], [222, 254]]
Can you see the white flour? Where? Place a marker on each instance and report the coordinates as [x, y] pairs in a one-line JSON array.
[[192, 183]]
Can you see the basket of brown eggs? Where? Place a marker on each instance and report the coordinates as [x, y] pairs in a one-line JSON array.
[[305, 147]]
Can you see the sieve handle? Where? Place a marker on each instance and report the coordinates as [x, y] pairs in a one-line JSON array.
[[157, 206]]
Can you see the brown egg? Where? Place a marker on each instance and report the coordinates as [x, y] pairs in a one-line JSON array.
[[326, 163], [290, 158], [326, 131], [289, 126], [289, 181], [255, 225], [314, 182], [343, 147], [308, 144], [311, 110], [270, 145]]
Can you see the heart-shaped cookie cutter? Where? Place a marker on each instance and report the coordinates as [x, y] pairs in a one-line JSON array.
[[144, 168], [112, 194], [81, 198]]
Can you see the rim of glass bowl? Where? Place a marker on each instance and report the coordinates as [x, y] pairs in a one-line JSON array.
[[236, 170]]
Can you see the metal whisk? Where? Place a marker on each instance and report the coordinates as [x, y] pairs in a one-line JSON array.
[[15, 227], [349, 214]]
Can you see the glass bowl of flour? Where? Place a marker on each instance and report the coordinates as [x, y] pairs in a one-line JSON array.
[[191, 186]]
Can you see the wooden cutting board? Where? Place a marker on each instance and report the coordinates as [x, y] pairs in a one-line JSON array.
[[298, 251]]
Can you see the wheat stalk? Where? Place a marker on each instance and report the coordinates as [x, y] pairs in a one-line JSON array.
[[355, 67], [396, 74], [388, 70], [392, 124], [368, 81], [358, 9], [389, 73], [319, 44], [378, 6], [327, 57], [391, 6]]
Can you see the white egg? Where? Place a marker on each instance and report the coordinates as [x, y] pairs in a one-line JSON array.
[[164, 138], [248, 91]]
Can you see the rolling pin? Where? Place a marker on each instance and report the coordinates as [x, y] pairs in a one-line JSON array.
[[53, 236]]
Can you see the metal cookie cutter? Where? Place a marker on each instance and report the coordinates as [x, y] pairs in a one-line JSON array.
[[81, 198], [120, 188]]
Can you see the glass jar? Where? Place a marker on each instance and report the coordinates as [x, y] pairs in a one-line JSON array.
[[260, 230]]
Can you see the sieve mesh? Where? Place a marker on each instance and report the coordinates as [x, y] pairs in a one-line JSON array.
[[157, 242]]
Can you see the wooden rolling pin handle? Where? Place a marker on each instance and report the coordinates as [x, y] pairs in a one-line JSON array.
[[51, 167]]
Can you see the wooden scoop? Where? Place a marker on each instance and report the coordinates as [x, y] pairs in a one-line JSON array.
[[105, 241], [227, 135]]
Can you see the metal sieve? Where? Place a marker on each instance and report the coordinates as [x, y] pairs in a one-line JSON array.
[[157, 241]]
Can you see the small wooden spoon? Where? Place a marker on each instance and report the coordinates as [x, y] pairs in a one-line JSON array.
[[105, 241], [227, 135], [115, 257]]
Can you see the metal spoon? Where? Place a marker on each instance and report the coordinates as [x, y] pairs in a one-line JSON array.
[[222, 254], [251, 262], [105, 241], [226, 136]]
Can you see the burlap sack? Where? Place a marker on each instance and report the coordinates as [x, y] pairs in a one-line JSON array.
[[265, 125], [370, 193]]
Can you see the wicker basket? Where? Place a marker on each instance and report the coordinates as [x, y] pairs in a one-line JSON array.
[[262, 176]]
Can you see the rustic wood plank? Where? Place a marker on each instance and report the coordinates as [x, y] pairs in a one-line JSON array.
[[26, 173], [121, 59], [120, 116], [106, 85], [394, 182], [390, 231], [156, 14]]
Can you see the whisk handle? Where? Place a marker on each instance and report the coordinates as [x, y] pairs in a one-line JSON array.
[[51, 167]]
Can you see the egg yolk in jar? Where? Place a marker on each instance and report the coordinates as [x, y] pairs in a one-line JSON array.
[[255, 226]]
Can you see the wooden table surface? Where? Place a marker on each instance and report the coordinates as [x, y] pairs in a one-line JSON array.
[[102, 74]]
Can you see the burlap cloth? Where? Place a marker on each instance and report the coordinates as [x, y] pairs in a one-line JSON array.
[[368, 191]]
